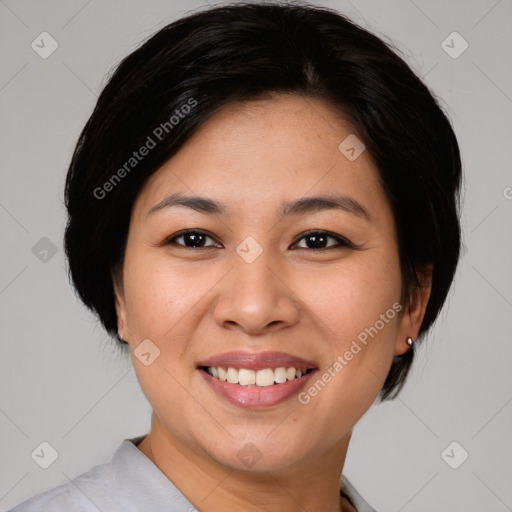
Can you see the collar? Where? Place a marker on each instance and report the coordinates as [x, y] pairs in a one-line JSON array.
[[144, 485]]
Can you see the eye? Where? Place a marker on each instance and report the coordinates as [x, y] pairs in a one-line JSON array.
[[192, 239], [319, 240]]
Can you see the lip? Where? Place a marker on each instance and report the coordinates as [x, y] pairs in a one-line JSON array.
[[256, 397], [258, 360]]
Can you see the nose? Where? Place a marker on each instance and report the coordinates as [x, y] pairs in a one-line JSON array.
[[255, 298]]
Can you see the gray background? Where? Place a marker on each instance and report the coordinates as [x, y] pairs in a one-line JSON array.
[[62, 383]]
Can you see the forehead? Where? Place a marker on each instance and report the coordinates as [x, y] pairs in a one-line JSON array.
[[267, 152]]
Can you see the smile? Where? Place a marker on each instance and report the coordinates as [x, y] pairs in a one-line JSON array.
[[262, 378], [256, 380]]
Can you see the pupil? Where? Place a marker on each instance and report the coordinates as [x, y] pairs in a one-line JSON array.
[[196, 240], [318, 241]]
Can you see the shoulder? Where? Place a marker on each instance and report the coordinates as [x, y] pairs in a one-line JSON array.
[[128, 483], [89, 491], [58, 499], [356, 500]]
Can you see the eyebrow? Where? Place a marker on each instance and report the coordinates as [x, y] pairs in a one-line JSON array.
[[297, 207]]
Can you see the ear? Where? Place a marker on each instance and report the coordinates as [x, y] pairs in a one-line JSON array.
[[412, 317], [120, 303]]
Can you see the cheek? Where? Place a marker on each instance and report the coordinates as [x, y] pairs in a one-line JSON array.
[[161, 306], [159, 294], [357, 309], [353, 296]]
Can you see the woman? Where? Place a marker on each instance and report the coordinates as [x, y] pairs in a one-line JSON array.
[[263, 208]]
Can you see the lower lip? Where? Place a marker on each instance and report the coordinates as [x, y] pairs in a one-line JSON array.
[[256, 397]]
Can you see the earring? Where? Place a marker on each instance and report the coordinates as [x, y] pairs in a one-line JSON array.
[[121, 338], [410, 341]]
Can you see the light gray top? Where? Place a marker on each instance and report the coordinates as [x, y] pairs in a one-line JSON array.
[[130, 482]]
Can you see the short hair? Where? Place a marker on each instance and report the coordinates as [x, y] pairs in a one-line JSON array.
[[192, 68]]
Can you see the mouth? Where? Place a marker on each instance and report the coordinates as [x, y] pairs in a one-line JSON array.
[[261, 378], [256, 380]]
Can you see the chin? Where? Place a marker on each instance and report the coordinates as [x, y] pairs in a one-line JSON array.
[[259, 455]]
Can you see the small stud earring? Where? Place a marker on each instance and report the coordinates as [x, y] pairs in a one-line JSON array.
[[121, 338], [410, 341]]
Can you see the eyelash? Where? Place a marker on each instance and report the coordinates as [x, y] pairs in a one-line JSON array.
[[342, 242]]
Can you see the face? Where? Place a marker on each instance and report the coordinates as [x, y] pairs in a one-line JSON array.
[[253, 280]]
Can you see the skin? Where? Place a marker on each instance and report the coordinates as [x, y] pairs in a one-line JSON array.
[[193, 303]]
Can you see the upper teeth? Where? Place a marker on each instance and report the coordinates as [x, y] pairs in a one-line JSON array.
[[264, 377]]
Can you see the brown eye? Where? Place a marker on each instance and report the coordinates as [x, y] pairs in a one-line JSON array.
[[320, 240], [192, 239]]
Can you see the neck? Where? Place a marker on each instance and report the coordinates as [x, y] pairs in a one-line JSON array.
[[312, 484]]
